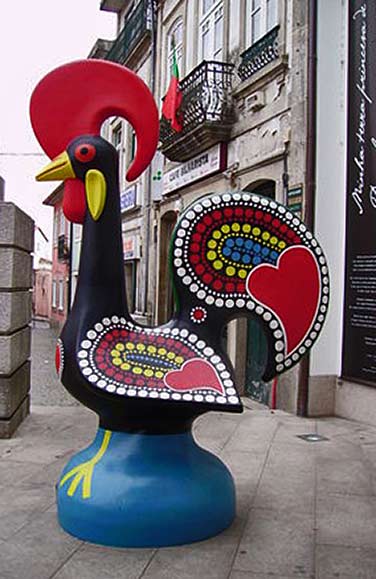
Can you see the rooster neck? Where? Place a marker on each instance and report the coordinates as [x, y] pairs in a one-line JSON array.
[[101, 285]]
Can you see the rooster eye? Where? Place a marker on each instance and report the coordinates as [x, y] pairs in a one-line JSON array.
[[85, 153]]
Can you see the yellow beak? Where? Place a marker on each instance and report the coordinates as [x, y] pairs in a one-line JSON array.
[[60, 168]]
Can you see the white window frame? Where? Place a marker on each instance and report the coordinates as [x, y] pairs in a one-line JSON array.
[[61, 295], [54, 294], [116, 127], [264, 9], [207, 25], [176, 32]]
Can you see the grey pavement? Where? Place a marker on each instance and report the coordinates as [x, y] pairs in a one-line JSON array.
[[305, 509], [46, 388]]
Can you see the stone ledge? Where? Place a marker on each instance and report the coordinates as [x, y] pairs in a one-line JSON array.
[[321, 395], [15, 310], [15, 268], [14, 351], [10, 425], [13, 389], [16, 228]]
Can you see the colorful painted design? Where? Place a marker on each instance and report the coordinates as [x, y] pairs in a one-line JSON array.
[[198, 315], [281, 288], [59, 358], [84, 472], [221, 249], [169, 364]]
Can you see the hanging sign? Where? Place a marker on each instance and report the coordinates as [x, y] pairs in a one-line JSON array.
[[131, 247], [359, 337], [128, 198]]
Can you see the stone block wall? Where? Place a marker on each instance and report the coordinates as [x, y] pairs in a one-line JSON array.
[[16, 246]]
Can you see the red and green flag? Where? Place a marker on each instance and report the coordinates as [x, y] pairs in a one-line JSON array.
[[173, 98]]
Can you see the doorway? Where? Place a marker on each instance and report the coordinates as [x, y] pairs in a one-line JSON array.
[[257, 344], [165, 294]]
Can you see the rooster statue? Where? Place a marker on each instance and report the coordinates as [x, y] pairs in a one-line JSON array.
[[144, 481]]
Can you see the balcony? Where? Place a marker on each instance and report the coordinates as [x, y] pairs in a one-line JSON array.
[[259, 54], [136, 29], [207, 111], [62, 248]]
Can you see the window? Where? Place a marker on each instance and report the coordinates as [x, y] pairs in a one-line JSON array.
[[56, 225], [54, 300], [61, 223], [117, 136], [130, 272], [61, 294], [262, 16], [175, 39], [211, 30], [117, 141]]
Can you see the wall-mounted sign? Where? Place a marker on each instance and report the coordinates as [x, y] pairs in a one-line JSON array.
[[359, 336], [207, 163], [128, 198], [295, 200], [131, 247]]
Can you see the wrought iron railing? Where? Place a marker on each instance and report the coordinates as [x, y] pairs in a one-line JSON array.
[[259, 54], [206, 99], [135, 27]]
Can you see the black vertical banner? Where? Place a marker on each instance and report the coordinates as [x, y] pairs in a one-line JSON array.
[[359, 340]]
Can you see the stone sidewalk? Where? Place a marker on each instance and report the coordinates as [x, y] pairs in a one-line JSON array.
[[305, 509]]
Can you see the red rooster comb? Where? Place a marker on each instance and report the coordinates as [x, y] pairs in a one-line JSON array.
[[76, 98]]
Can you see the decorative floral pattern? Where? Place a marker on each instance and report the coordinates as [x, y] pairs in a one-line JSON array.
[[222, 239], [122, 358]]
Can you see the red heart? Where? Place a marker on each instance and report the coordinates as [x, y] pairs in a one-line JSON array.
[[194, 375], [291, 289]]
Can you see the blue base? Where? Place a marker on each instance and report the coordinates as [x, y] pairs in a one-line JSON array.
[[146, 491]]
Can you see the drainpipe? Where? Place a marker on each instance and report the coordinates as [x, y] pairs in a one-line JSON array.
[[310, 180], [153, 13]]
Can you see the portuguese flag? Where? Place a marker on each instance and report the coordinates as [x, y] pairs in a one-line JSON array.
[[173, 99]]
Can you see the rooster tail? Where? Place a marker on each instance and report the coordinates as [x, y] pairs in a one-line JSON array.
[[240, 254]]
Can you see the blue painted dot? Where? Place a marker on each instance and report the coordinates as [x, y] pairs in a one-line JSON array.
[[246, 258], [230, 242], [256, 260], [274, 255], [265, 251], [257, 248], [239, 242], [249, 244], [235, 256], [226, 251]]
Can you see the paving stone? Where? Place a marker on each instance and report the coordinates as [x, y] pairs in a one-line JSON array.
[[346, 520], [15, 310], [16, 228], [18, 507], [95, 562], [248, 575], [43, 536], [343, 476], [277, 541], [333, 562], [210, 559]]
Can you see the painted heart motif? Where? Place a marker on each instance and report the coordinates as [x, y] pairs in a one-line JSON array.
[[195, 374], [291, 289]]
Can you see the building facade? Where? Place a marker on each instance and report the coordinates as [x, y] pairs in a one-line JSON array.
[[243, 77], [60, 286]]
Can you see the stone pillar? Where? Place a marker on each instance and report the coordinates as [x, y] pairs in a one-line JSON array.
[[16, 245]]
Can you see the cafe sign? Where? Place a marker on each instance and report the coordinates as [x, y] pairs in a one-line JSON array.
[[207, 163]]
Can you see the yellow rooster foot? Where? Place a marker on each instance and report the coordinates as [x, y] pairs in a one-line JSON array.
[[84, 471]]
